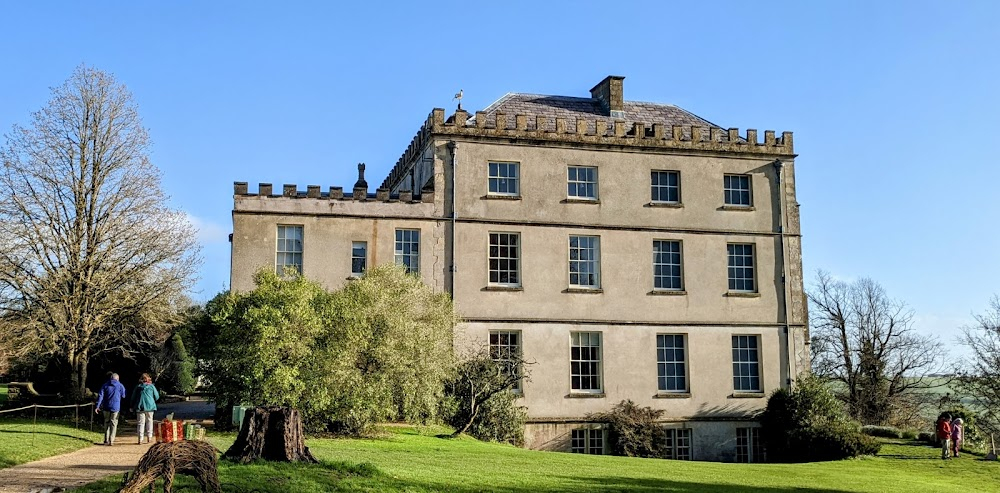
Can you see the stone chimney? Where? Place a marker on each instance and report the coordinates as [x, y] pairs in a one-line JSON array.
[[610, 95], [361, 186]]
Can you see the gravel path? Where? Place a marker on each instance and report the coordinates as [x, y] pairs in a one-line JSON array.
[[75, 468], [92, 463]]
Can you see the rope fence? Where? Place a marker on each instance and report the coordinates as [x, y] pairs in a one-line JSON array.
[[36, 407]]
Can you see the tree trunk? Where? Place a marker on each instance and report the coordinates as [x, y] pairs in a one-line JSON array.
[[78, 377], [270, 433]]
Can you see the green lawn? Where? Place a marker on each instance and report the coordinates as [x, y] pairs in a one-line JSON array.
[[19, 445], [418, 461]]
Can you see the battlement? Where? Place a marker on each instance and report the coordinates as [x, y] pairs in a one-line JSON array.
[[411, 153], [266, 190], [593, 132], [609, 132]]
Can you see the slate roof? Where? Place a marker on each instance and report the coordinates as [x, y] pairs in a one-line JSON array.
[[572, 108]]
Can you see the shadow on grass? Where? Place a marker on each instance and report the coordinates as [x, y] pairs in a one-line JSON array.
[[620, 484], [28, 432], [266, 477], [909, 457]]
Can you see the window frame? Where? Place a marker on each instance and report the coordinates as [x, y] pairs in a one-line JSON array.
[[750, 445], [731, 268], [517, 347], [490, 258], [677, 447], [516, 179], [737, 361], [401, 257], [654, 186], [662, 377], [680, 265], [279, 268], [354, 258], [570, 182], [595, 248], [575, 341], [589, 436], [728, 192]]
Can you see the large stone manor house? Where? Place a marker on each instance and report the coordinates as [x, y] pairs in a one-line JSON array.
[[632, 250]]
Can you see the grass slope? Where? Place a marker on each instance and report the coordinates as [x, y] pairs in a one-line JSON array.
[[19, 445], [416, 460]]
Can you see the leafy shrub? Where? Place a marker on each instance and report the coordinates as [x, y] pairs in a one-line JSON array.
[[378, 349], [924, 436], [882, 431], [807, 423], [180, 376], [634, 431], [501, 420], [908, 435]]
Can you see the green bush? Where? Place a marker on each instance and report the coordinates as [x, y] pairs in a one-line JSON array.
[[882, 431], [927, 437], [379, 349], [179, 376], [634, 431], [807, 424], [501, 420], [908, 435]]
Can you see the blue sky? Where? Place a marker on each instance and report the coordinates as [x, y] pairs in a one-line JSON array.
[[893, 104]]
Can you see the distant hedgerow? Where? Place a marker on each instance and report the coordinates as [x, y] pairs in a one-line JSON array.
[[882, 431]]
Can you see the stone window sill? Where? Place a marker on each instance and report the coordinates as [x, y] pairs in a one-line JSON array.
[[585, 395], [747, 395], [583, 290], [500, 197], [741, 294], [574, 200], [667, 205], [672, 395], [503, 288], [745, 208], [667, 292]]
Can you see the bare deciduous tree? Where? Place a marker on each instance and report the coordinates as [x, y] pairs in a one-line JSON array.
[[866, 341], [92, 257], [980, 377], [13, 344]]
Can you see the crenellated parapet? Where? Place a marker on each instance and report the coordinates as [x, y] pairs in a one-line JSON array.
[[266, 190], [609, 132], [411, 154]]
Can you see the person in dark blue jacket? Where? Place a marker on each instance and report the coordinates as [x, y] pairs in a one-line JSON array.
[[109, 400]]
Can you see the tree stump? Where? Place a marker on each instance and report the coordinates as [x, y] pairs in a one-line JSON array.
[[270, 433]]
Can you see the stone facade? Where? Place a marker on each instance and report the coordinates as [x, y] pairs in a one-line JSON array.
[[444, 187]]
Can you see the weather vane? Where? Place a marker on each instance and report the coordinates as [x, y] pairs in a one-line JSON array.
[[458, 96]]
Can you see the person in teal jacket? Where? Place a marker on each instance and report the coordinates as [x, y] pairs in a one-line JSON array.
[[144, 403]]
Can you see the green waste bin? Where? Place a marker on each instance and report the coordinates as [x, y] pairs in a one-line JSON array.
[[238, 413]]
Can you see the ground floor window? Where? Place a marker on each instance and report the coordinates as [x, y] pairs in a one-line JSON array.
[[505, 347], [748, 445], [678, 444], [588, 441]]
